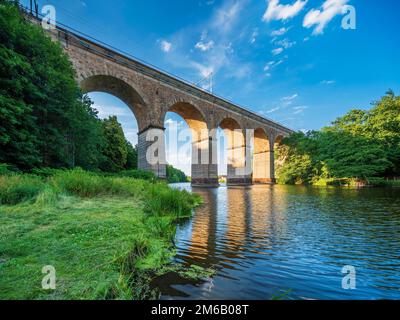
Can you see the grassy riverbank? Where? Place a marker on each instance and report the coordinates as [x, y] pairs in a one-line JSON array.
[[103, 235], [351, 182]]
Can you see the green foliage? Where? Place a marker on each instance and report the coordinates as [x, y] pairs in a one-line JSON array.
[[162, 199], [132, 157], [19, 188], [85, 137], [94, 229], [360, 145], [175, 175], [45, 172], [137, 174], [377, 182], [5, 169], [115, 148], [44, 120], [81, 183]]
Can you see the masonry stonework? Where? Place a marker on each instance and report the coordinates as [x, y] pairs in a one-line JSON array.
[[151, 93]]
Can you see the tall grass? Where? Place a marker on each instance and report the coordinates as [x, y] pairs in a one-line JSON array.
[[105, 235], [19, 188], [86, 184], [162, 200], [159, 198]]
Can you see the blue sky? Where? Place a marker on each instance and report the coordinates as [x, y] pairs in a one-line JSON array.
[[288, 60]]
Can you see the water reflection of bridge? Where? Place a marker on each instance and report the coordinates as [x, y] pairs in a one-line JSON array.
[[234, 222]]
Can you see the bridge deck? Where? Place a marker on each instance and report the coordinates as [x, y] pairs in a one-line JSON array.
[[71, 36]]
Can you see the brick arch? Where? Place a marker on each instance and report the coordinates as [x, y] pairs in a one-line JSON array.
[[275, 137], [192, 114], [235, 139], [120, 89], [261, 140], [236, 151], [221, 117], [229, 123], [196, 120]]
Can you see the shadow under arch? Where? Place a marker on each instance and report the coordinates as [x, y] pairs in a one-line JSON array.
[[202, 172], [120, 89]]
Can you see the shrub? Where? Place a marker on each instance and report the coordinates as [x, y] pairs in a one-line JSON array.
[[6, 169], [46, 172], [377, 182], [137, 174], [163, 200], [88, 184], [15, 189]]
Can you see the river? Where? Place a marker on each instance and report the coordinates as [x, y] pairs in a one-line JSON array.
[[290, 241]]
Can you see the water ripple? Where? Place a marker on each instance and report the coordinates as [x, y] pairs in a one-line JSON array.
[[264, 240]]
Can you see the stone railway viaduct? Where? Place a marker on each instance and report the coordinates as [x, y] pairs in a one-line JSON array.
[[151, 93]]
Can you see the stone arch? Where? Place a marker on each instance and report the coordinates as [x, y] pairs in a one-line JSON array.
[[122, 90], [196, 121], [275, 138], [202, 171], [261, 156], [236, 150], [193, 115]]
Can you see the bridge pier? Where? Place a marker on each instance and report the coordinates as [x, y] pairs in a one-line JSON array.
[[204, 167], [271, 168], [151, 151], [264, 168], [239, 171]]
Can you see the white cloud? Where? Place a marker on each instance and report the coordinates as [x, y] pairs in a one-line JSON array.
[[299, 109], [328, 82], [204, 46], [130, 134], [277, 51], [277, 11], [290, 98], [166, 46], [219, 54], [106, 111], [241, 71], [279, 32], [320, 18], [284, 103], [285, 43], [204, 71], [270, 65], [226, 17], [254, 36], [221, 26], [275, 63], [272, 110]]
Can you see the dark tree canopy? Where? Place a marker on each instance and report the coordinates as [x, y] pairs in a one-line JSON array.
[[44, 120]]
